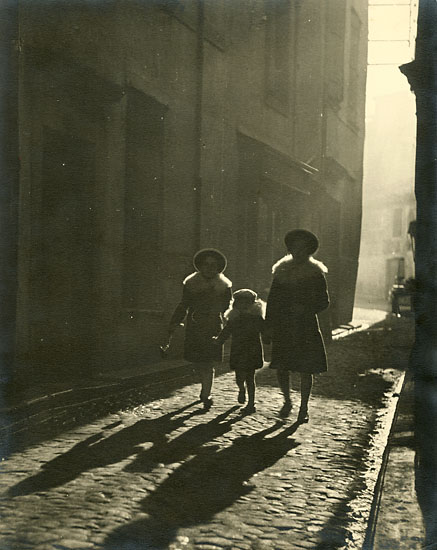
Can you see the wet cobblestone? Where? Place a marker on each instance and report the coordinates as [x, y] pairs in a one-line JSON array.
[[166, 475]]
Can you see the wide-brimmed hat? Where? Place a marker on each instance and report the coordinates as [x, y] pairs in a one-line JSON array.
[[245, 294], [205, 252], [311, 240]]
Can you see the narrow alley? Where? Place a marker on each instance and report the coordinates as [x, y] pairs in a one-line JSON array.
[[165, 474]]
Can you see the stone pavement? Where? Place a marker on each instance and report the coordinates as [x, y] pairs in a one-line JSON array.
[[398, 522], [43, 410], [166, 475], [30, 412]]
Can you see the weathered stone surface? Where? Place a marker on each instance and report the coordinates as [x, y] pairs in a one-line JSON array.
[[186, 480], [71, 544]]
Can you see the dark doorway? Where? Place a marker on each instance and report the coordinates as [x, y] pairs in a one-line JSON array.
[[66, 253], [143, 202]]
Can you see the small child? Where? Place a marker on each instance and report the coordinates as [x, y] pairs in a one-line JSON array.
[[245, 323]]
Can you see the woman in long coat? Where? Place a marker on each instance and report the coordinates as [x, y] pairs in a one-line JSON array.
[[206, 296], [297, 294]]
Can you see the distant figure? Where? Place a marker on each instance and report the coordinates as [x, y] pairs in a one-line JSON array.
[[206, 296], [245, 323], [297, 294]]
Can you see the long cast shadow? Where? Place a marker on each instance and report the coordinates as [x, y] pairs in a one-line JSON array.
[[97, 451], [180, 448], [200, 488], [81, 409]]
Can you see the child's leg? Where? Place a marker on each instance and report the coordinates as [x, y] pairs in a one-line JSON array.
[[250, 383], [206, 375], [284, 383], [240, 379], [283, 376]]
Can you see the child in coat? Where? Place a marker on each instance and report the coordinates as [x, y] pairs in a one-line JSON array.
[[245, 323]]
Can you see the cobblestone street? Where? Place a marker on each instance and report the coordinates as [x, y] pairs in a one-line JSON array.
[[167, 475]]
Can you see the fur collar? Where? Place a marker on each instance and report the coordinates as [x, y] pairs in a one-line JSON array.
[[286, 269], [197, 283], [256, 309]]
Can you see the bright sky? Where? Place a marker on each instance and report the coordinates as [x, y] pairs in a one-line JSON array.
[[390, 104], [392, 32], [392, 28]]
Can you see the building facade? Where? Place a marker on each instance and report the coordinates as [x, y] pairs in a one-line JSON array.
[[151, 129], [389, 205], [386, 253]]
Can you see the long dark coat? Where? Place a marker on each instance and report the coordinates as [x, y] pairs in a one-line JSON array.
[[297, 294], [202, 306], [246, 347]]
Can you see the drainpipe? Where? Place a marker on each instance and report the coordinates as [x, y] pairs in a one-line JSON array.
[[9, 170], [198, 126], [422, 76]]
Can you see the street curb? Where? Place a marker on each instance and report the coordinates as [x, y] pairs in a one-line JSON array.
[[36, 409], [379, 486]]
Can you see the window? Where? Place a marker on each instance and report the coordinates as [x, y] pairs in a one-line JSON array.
[[278, 42], [143, 201]]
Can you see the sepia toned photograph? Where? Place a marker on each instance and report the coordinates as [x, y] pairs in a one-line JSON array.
[[218, 275]]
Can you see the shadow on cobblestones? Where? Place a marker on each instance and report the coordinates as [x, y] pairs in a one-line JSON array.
[[203, 486], [183, 446], [32, 427], [362, 365], [97, 451]]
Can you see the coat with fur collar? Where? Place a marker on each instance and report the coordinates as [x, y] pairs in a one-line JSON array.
[[246, 329], [202, 306], [298, 292]]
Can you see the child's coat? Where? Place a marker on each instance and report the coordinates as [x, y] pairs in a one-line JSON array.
[[246, 329]]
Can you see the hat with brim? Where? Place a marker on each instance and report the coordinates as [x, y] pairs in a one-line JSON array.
[[200, 256], [302, 234], [245, 294]]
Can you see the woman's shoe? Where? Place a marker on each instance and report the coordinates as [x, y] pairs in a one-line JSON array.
[[303, 416], [248, 409], [242, 396], [207, 404], [286, 409]]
